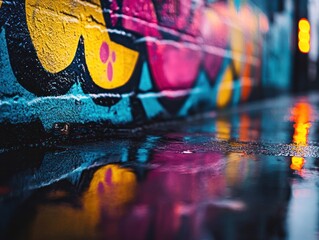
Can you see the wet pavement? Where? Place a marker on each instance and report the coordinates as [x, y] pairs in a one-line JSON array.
[[244, 173]]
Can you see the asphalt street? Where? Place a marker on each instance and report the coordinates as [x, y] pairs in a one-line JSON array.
[[250, 172]]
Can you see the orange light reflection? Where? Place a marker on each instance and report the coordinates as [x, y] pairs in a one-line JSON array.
[[301, 116], [297, 163]]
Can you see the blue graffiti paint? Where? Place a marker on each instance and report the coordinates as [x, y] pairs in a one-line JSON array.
[[151, 105], [202, 93], [236, 92], [10, 87], [146, 82], [75, 106], [149, 101], [9, 84]]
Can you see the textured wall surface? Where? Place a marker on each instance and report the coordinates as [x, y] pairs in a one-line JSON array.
[[81, 62]]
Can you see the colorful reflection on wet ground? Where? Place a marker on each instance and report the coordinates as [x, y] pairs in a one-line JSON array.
[[248, 173]]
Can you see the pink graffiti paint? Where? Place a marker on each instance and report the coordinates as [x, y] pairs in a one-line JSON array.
[[113, 8], [140, 16], [104, 52], [215, 35], [175, 64], [173, 67], [182, 16], [110, 71]]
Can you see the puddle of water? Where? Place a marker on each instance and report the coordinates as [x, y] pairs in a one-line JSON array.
[[247, 174]]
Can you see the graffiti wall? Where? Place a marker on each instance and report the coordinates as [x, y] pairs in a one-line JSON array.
[[130, 62]]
